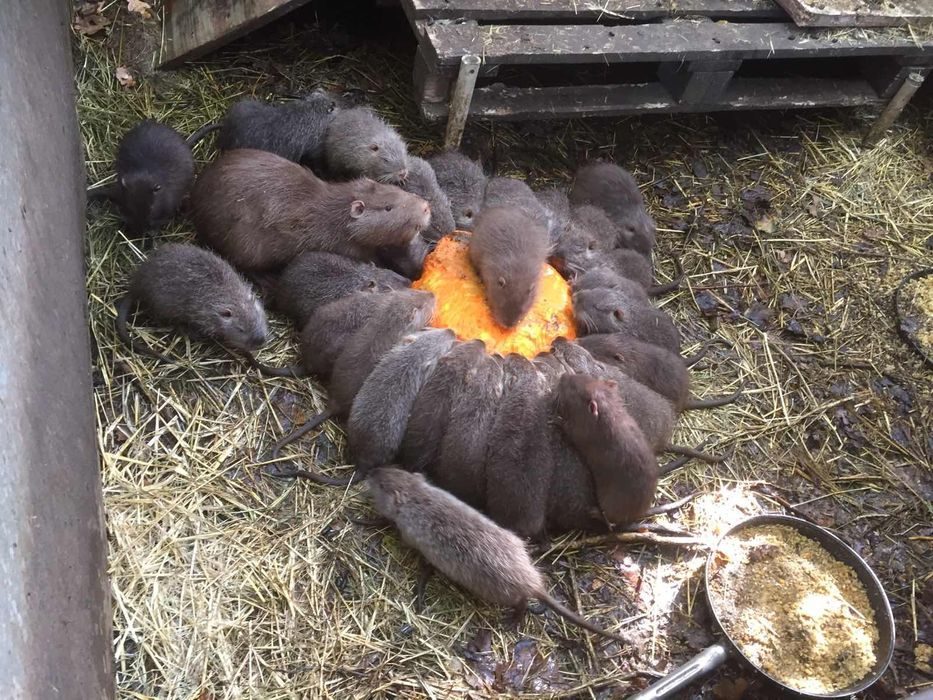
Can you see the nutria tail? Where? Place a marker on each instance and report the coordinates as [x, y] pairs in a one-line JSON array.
[[124, 306], [308, 426], [196, 137], [110, 191], [695, 404], [660, 289], [694, 453], [296, 371], [570, 615]]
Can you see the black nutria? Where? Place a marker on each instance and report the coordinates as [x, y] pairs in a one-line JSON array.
[[293, 130], [658, 369], [198, 292], [597, 423], [399, 314], [465, 545], [260, 210], [421, 446], [315, 278], [557, 205], [612, 311], [509, 251], [514, 194], [615, 191], [155, 170], [518, 457], [358, 143], [380, 411], [464, 184], [474, 402], [653, 413], [422, 181], [407, 260]]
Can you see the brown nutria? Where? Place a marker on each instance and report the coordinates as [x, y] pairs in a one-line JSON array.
[[660, 370], [461, 466], [398, 314], [606, 276], [195, 290], [315, 278], [613, 311], [260, 210], [615, 191], [464, 183], [465, 545], [359, 143], [422, 181], [421, 446], [507, 192], [518, 458], [557, 206], [155, 170], [407, 260], [594, 418], [509, 251], [380, 411]]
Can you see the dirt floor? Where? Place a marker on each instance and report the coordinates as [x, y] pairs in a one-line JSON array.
[[230, 584]]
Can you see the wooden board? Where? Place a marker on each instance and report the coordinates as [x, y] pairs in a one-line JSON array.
[[500, 102], [858, 13], [194, 28], [680, 40], [589, 10]]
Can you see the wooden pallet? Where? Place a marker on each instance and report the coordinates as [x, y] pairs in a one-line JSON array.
[[564, 58], [858, 13]]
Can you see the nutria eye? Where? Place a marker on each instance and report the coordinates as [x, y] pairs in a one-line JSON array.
[[388, 207], [374, 147], [618, 314], [591, 246], [469, 213], [156, 188], [372, 284]]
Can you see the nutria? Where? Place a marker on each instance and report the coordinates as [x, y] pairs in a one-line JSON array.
[[407, 260], [463, 544], [612, 311], [464, 183], [197, 291], [518, 459], [595, 420], [154, 171], [380, 411], [509, 251], [604, 275], [557, 206], [422, 181], [260, 210], [510, 193], [615, 191], [315, 278], [360, 144], [421, 447]]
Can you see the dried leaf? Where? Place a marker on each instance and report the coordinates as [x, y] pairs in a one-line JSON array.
[[143, 9], [125, 78], [90, 24], [765, 224]]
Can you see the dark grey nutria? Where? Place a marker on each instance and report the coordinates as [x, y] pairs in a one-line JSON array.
[[260, 210], [631, 264], [422, 181], [359, 143], [463, 544], [603, 277], [614, 190], [612, 311], [515, 194], [194, 290], [316, 278], [294, 130], [406, 260], [155, 170], [509, 251], [421, 447], [518, 458], [594, 418], [474, 402], [464, 183], [382, 406], [557, 205]]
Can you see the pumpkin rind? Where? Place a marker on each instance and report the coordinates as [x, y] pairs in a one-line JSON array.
[[461, 303]]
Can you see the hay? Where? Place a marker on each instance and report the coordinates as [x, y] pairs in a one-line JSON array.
[[227, 583]]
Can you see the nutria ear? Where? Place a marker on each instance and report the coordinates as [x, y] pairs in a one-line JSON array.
[[619, 357], [594, 408], [618, 314], [501, 281], [357, 207]]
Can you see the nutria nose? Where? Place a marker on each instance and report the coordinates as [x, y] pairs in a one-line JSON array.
[[403, 174]]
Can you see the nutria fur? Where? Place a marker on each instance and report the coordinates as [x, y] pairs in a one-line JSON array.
[[514, 194], [260, 210], [464, 183], [557, 206], [360, 144], [463, 544], [422, 181], [612, 311], [407, 260]]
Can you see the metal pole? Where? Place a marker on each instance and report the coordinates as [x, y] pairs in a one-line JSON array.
[[460, 100], [893, 109]]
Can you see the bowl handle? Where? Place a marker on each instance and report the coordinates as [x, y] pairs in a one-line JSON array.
[[706, 661]]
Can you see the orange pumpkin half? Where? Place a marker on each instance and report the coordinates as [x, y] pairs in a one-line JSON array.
[[461, 303]]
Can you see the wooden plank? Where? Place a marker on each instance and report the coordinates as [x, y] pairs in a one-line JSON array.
[[682, 40], [697, 81], [194, 28], [590, 10], [833, 13], [500, 102]]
